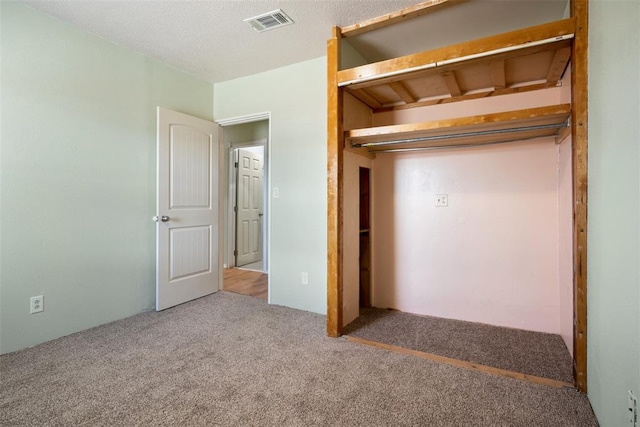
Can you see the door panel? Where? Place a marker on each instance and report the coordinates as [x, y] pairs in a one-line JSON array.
[[190, 167], [187, 233], [189, 252]]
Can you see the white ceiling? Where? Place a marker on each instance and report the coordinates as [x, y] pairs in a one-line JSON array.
[[210, 40]]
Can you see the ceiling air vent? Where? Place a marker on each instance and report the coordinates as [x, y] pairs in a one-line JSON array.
[[269, 21]]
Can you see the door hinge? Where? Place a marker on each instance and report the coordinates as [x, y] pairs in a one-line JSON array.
[[235, 252], [235, 209], [235, 164]]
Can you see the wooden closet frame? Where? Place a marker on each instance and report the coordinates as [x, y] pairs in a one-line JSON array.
[[336, 147]]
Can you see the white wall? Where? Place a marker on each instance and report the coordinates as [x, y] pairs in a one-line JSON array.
[[565, 243], [78, 175], [490, 105], [296, 97], [491, 256], [565, 226], [613, 276]]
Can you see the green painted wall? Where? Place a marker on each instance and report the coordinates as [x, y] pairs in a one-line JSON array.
[[77, 180], [296, 97], [614, 209]]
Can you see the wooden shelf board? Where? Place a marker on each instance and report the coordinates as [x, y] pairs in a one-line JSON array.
[[525, 67], [461, 50], [551, 115], [447, 100]]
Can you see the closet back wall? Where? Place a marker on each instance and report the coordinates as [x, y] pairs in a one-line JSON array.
[[491, 256]]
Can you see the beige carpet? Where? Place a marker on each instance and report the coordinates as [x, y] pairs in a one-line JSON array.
[[228, 359], [527, 352]]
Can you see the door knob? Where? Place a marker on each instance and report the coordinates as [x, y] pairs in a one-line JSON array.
[[260, 214], [162, 218]]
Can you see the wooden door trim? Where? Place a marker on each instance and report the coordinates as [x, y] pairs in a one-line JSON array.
[[335, 144], [579, 88]]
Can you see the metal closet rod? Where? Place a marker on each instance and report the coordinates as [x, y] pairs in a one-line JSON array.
[[443, 147], [462, 135]]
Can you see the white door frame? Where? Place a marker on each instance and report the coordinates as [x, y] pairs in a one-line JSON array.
[[266, 241]]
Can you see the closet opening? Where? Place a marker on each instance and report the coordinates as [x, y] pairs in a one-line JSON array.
[[496, 125]]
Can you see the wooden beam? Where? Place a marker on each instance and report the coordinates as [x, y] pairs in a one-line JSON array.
[[452, 83], [414, 11], [363, 96], [559, 64], [579, 92], [458, 66], [497, 75], [514, 120], [507, 91], [335, 144], [463, 364], [474, 47], [401, 90]]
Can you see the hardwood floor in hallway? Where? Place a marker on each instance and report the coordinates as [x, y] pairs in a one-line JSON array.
[[251, 283]]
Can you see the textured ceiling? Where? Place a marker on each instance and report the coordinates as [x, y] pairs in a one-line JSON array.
[[210, 40]]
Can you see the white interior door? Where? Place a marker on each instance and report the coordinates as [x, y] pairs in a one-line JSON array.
[[187, 264], [249, 207]]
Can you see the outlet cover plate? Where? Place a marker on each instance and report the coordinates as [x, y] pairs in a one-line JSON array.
[[442, 200], [36, 304]]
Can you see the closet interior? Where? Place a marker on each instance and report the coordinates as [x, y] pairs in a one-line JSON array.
[[457, 178]]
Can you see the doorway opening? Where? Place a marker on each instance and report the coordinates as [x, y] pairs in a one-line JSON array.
[[245, 151], [365, 238]]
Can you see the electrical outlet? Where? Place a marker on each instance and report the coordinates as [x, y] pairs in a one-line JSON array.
[[276, 192], [304, 278], [442, 200], [633, 409], [36, 304]]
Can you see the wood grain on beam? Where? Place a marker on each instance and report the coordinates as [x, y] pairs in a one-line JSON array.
[[549, 115], [558, 64], [335, 143], [400, 89], [508, 91], [463, 364], [452, 83], [479, 46], [497, 75], [419, 9], [458, 66], [579, 89], [363, 96]]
